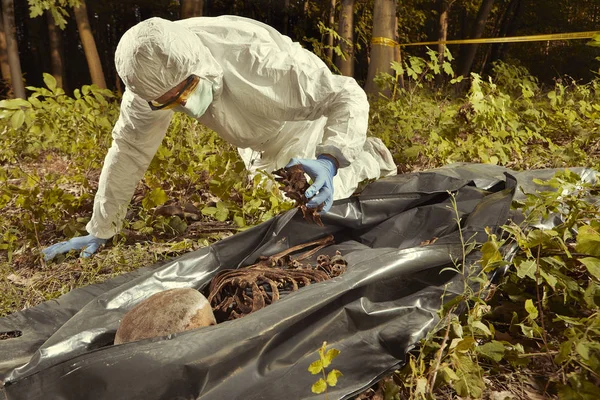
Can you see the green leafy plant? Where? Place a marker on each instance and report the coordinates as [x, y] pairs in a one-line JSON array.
[[58, 8], [505, 119], [320, 48], [541, 319], [53, 146], [319, 367]]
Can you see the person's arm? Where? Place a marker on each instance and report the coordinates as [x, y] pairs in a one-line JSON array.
[[289, 83], [137, 135], [295, 85]]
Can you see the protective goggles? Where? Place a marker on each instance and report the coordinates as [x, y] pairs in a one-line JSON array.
[[180, 98]]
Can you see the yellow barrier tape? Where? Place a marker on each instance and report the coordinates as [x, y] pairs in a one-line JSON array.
[[514, 39], [383, 41]]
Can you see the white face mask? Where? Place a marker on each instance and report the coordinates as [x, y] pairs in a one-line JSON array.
[[197, 103]]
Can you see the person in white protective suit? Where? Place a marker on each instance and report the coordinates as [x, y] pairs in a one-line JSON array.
[[274, 100]]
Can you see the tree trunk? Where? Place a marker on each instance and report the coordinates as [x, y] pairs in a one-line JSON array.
[[444, 10], [191, 8], [89, 45], [397, 55], [56, 59], [383, 50], [305, 17], [286, 16], [12, 48], [346, 30], [329, 51], [507, 26], [478, 29], [4, 66]]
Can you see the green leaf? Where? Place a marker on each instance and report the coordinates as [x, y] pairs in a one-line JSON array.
[[563, 354], [449, 374], [482, 327], [420, 387], [448, 68], [531, 309], [595, 42], [413, 152], [527, 330], [593, 266], [14, 104], [583, 349], [573, 321], [526, 268], [332, 377], [580, 388], [322, 352], [17, 120], [535, 238], [239, 221], [155, 198], [549, 278], [493, 350], [470, 383], [180, 246], [397, 67], [50, 81], [457, 329], [329, 356], [222, 212], [319, 386], [315, 367], [390, 391], [35, 102], [465, 344], [137, 225], [590, 295], [35, 11], [209, 211], [178, 224], [452, 303], [588, 241]]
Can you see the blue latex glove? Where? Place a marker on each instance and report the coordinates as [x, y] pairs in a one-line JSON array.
[[88, 244], [322, 170]]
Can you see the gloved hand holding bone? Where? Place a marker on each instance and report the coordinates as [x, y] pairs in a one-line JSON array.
[[322, 170]]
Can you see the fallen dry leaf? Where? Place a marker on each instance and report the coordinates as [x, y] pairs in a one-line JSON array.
[[22, 281], [503, 395]]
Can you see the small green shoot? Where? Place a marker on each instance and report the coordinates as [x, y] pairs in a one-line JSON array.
[[319, 367]]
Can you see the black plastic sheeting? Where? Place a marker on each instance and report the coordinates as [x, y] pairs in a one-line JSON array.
[[374, 313]]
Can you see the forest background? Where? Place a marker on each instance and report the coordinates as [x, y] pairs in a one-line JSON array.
[[67, 52], [518, 105]]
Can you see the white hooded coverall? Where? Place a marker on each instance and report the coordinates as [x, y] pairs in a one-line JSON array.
[[272, 99]]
